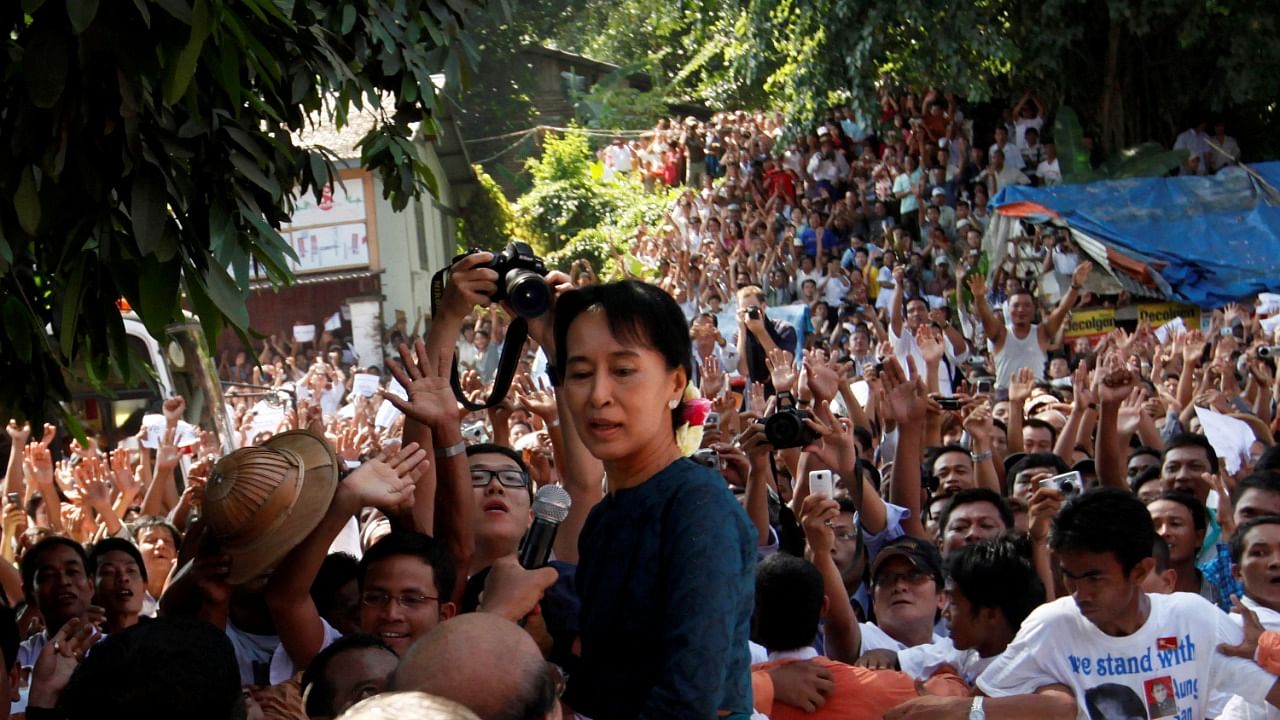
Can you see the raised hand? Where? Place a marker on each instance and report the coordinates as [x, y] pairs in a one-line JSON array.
[[712, 377], [817, 512], [823, 376], [431, 401], [931, 346], [1253, 629], [1020, 384], [1116, 380], [173, 409], [977, 285], [167, 455], [384, 482], [906, 400], [1082, 395], [18, 436], [1130, 416], [1192, 349], [835, 446], [782, 369], [539, 400], [1081, 275], [58, 660]]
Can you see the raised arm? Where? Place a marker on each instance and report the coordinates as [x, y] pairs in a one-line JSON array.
[[908, 403], [1049, 330], [383, 482], [841, 632], [991, 326], [1113, 386]]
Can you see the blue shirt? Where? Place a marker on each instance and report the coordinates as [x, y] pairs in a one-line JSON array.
[[666, 575], [1217, 571]]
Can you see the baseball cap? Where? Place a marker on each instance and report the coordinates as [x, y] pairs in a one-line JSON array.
[[938, 191], [922, 555], [942, 260]]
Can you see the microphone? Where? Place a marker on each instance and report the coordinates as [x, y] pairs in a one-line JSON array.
[[550, 508]]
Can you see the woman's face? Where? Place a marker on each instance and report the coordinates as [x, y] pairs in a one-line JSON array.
[[619, 393]]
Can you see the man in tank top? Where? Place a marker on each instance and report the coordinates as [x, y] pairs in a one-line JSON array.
[[1022, 343]]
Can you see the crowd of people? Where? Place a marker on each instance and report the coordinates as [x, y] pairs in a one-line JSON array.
[[833, 461]]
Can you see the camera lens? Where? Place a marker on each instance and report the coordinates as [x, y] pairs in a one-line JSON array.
[[1264, 351], [528, 293]]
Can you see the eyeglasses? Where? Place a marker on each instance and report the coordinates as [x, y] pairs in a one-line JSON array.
[[408, 601], [846, 535], [912, 576], [508, 478]]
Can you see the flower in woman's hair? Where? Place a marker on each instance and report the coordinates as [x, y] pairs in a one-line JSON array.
[[696, 411]]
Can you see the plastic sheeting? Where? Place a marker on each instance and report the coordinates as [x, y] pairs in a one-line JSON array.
[[1214, 240]]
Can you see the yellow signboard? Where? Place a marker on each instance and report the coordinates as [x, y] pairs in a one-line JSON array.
[[1158, 314], [1087, 323]]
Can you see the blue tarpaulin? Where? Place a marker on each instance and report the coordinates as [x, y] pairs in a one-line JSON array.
[[1214, 240]]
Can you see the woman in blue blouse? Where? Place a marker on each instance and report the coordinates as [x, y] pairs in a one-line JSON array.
[[667, 558]]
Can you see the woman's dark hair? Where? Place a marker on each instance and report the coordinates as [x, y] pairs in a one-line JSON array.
[[995, 574], [636, 312], [1199, 518], [1237, 540], [414, 544], [1105, 520]]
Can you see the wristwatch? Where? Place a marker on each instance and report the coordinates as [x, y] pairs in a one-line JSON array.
[[975, 710], [980, 457]]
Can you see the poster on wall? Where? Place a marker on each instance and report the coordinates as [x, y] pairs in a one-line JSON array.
[[332, 232]]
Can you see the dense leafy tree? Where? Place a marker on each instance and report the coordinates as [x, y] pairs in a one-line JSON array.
[[150, 152]]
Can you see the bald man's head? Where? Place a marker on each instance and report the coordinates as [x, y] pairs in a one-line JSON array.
[[391, 706], [458, 659]]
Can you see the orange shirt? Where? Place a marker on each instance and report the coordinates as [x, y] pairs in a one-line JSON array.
[[859, 694]]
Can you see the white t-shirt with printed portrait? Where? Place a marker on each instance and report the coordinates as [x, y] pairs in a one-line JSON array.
[[1168, 668]]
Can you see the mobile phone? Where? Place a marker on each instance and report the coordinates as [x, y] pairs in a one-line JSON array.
[[949, 403], [707, 458], [1068, 483], [13, 498], [820, 483], [713, 420], [985, 385]]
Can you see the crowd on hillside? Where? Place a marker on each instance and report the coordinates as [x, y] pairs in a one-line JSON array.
[[835, 459]]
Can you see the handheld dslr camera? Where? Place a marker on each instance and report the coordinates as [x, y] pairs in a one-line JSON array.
[[521, 279], [785, 428]]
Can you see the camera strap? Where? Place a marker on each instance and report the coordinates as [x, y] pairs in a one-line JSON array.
[[512, 346]]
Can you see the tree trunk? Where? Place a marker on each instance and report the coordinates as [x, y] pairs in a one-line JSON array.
[[1112, 110]]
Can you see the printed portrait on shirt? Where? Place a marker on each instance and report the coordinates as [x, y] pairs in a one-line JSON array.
[[1112, 701], [1160, 699]]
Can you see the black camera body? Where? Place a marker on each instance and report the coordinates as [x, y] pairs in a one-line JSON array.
[[753, 313], [521, 279], [785, 428]]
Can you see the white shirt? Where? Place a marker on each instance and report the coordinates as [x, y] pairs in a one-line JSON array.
[[834, 290], [1240, 708], [1020, 129], [1049, 171], [922, 661], [905, 346], [1012, 155], [283, 667], [1193, 141], [873, 638], [1173, 655], [253, 654]]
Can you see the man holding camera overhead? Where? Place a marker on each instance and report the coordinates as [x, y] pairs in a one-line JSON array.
[[758, 335]]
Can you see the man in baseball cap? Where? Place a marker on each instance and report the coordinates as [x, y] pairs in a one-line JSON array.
[[907, 593]]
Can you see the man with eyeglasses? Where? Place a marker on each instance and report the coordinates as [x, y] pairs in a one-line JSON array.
[[405, 579], [503, 498], [907, 594]]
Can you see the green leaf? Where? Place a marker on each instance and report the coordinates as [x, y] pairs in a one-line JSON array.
[[27, 202], [183, 68], [44, 67], [225, 295], [147, 209], [70, 306], [1068, 138], [348, 18], [158, 295], [180, 9], [18, 327], [81, 13], [250, 169]]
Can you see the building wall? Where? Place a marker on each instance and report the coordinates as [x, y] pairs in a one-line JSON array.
[[413, 245]]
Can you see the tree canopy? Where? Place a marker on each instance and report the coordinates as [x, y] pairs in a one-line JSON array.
[[151, 153]]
